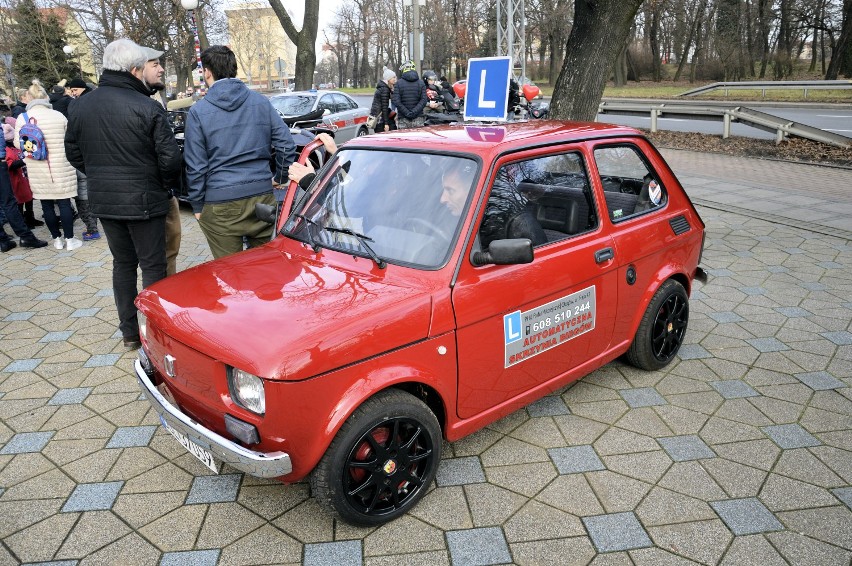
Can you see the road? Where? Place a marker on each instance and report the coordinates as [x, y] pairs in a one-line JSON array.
[[833, 119]]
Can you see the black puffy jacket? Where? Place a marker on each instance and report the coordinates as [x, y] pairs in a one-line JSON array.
[[409, 95], [18, 109], [381, 103], [121, 139], [60, 102]]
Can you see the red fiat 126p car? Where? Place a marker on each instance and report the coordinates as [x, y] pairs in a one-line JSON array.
[[428, 282]]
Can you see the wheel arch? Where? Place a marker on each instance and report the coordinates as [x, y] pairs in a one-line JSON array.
[[663, 276], [428, 395]]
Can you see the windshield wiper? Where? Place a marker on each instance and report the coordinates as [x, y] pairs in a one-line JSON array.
[[363, 239], [311, 241]]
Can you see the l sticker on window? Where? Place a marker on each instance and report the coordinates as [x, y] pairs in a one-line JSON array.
[[529, 333]]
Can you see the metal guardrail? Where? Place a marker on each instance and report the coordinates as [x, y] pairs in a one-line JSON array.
[[747, 116], [771, 85]]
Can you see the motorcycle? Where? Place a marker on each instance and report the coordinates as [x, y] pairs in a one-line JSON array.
[[450, 107], [519, 107]]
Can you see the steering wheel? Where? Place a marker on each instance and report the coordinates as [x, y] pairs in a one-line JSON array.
[[430, 228]]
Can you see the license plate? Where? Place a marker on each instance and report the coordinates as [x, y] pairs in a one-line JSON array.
[[203, 455]]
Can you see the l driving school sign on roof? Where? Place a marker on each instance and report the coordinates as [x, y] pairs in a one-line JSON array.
[[487, 88]]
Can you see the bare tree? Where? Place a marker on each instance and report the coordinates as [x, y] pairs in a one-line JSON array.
[[596, 38], [306, 57], [841, 54]]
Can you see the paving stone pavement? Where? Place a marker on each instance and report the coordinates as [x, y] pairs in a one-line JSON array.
[[739, 452]]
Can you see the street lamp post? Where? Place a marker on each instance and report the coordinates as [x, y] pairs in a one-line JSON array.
[[190, 6], [69, 51]]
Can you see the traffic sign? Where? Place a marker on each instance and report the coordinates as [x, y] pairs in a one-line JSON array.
[[487, 88]]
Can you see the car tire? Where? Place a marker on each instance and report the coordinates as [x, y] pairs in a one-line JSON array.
[[362, 132], [662, 328], [382, 460]]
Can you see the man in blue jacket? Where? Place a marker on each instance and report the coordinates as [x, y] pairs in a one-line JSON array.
[[229, 138]]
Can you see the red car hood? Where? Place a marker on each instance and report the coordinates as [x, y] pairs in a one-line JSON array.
[[281, 316]]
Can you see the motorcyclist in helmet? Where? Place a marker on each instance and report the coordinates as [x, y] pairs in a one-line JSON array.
[[433, 92]]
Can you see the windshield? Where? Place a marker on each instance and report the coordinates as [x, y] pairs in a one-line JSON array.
[[295, 105], [406, 208]]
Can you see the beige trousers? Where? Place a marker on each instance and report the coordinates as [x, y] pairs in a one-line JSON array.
[[172, 237]]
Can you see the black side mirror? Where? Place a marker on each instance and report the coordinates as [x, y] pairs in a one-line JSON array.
[[505, 252], [264, 212]]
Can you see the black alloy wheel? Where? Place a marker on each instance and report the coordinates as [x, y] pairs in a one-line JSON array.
[[669, 327], [662, 328], [382, 460]]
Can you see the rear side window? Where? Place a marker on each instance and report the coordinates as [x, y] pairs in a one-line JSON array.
[[630, 186]]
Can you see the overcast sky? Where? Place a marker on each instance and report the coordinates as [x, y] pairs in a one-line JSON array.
[[327, 8]]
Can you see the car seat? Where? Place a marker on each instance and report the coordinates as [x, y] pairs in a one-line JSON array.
[[525, 225]]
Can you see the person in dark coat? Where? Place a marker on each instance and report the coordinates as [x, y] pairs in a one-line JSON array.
[[59, 99], [381, 102], [121, 139], [78, 88], [409, 97], [19, 107]]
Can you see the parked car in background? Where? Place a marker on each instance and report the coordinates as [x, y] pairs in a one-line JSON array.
[[501, 263], [344, 114]]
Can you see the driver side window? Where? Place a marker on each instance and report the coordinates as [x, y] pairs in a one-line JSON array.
[[545, 199]]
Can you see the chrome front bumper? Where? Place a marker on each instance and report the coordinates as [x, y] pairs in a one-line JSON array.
[[259, 464]]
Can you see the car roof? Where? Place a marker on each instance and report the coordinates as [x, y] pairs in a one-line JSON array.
[[493, 138]]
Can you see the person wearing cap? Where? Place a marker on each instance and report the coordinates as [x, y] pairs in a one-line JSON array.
[[381, 102], [59, 98], [78, 88], [228, 142], [121, 139], [409, 97]]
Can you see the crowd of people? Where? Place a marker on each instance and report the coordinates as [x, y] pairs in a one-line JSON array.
[[405, 102], [111, 148]]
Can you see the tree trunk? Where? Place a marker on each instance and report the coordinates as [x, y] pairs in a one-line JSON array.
[[653, 32], [620, 72], [841, 54], [693, 31], [598, 33], [306, 58], [202, 31]]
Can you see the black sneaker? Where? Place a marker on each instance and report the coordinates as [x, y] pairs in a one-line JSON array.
[[32, 243], [7, 245], [132, 342]]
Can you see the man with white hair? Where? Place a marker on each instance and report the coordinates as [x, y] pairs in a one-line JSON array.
[[120, 138]]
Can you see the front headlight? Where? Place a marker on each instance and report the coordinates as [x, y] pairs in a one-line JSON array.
[[247, 390], [143, 325]]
